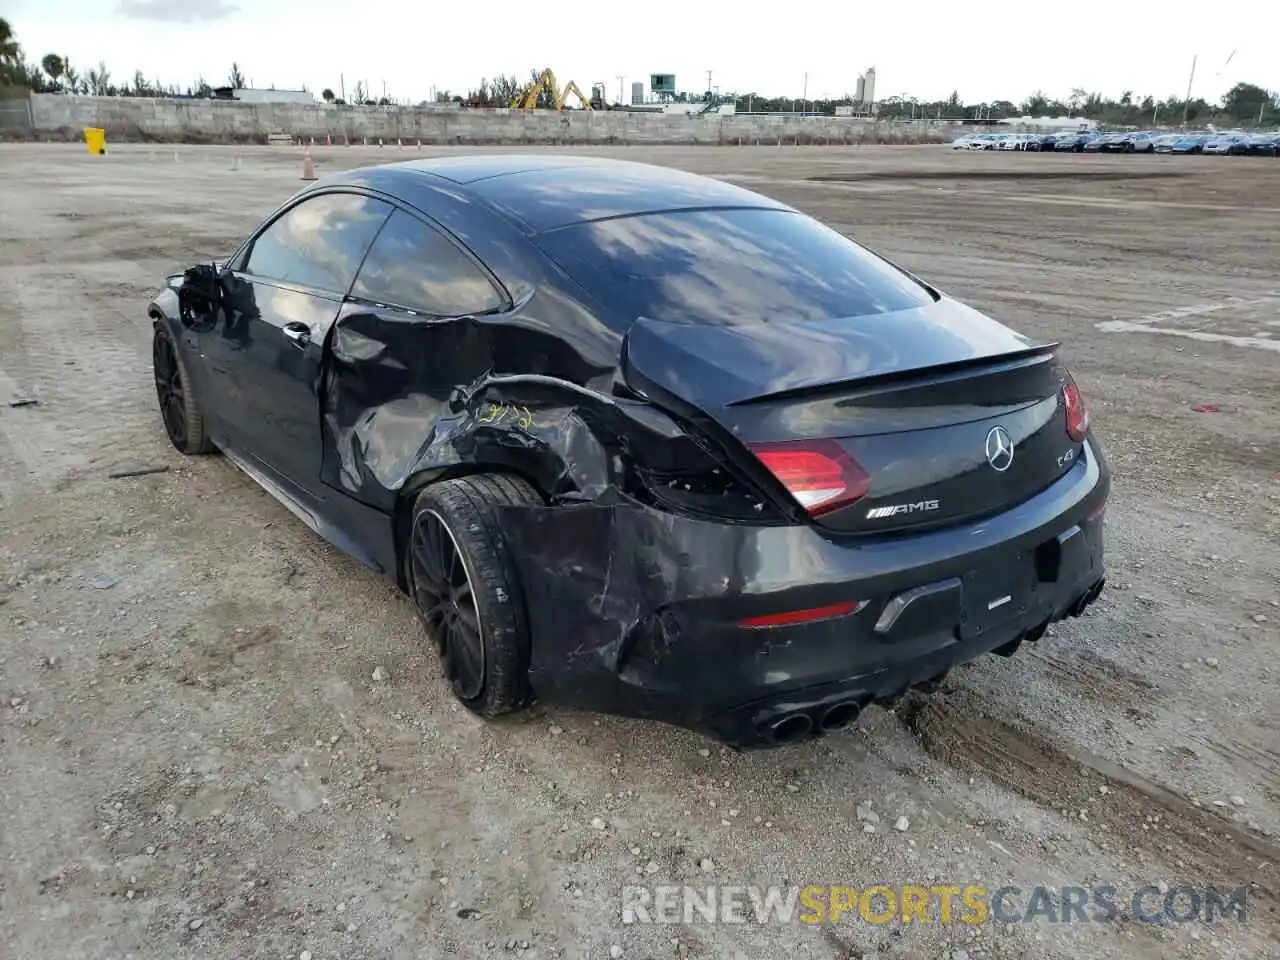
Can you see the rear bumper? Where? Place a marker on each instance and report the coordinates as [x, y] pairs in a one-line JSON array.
[[638, 613]]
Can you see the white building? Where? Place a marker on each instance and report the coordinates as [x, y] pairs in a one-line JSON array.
[[254, 95], [1053, 123], [865, 93]]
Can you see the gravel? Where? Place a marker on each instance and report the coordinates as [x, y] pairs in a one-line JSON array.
[[234, 639]]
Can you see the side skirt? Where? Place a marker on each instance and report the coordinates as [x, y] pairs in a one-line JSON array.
[[304, 512]]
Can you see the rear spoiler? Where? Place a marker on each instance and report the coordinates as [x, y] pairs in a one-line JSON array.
[[938, 373]]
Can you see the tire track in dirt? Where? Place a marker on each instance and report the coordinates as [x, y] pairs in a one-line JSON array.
[[1093, 676], [1142, 813]]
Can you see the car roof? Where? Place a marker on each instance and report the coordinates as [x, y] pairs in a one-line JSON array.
[[546, 192]]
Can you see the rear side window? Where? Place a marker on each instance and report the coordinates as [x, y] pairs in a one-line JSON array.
[[413, 265], [318, 243], [729, 267]]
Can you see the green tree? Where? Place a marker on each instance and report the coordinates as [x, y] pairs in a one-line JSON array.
[[326, 95], [54, 67], [72, 82], [1245, 101], [10, 52], [1035, 105], [99, 80], [503, 89], [235, 78]]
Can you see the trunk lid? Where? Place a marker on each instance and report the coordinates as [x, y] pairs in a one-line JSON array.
[[927, 402]]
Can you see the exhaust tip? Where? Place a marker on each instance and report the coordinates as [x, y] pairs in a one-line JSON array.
[[790, 729], [841, 715]]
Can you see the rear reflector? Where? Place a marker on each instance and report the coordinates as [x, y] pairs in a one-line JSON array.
[[818, 473], [1097, 511], [800, 616], [1077, 413]]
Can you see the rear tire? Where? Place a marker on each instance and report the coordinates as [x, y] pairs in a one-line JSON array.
[[467, 589], [180, 407]]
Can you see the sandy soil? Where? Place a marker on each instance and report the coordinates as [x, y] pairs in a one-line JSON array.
[[195, 760]]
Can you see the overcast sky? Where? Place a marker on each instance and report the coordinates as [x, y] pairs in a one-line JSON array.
[[984, 49]]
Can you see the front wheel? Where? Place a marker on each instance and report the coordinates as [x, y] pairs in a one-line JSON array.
[[179, 404], [467, 589]]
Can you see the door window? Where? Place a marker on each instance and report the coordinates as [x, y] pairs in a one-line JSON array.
[[414, 266], [319, 243]]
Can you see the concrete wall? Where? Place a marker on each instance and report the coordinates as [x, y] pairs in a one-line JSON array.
[[216, 121]]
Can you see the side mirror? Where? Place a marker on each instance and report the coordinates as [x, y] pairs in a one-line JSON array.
[[199, 293], [202, 280]]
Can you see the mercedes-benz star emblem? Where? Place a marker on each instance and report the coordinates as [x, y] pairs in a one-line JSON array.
[[999, 449]]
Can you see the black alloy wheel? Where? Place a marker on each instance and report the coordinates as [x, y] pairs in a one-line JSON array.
[[447, 603], [180, 407], [170, 390], [467, 588]]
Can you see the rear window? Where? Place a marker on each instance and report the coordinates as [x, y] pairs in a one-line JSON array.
[[729, 267]]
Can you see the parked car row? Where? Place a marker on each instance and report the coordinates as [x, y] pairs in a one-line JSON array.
[[1130, 141]]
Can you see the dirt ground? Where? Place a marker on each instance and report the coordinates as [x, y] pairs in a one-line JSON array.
[[195, 759]]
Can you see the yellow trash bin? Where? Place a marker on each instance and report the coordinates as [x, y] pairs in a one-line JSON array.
[[95, 140]]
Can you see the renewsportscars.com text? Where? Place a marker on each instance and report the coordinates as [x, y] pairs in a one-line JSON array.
[[936, 903]]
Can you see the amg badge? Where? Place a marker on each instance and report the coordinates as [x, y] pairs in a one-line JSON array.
[[920, 506]]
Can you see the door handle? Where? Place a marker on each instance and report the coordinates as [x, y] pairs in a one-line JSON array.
[[299, 333]]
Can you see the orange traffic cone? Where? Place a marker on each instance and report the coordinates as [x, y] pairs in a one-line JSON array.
[[308, 167]]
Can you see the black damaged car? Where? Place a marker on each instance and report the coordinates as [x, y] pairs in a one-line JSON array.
[[641, 441]]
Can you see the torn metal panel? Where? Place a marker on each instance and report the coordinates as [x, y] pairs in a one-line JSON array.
[[390, 409], [383, 426]]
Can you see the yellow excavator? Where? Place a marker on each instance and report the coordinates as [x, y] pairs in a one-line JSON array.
[[527, 99]]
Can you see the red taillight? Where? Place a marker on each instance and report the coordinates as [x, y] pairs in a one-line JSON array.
[[818, 473], [1077, 413], [809, 615]]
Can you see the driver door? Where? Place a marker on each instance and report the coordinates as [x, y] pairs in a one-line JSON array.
[[278, 301]]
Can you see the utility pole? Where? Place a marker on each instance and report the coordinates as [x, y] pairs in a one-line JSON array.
[[708, 82], [1186, 103], [342, 87], [620, 78], [804, 94]]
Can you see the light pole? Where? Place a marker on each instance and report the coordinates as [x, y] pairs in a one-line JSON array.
[[1186, 104]]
